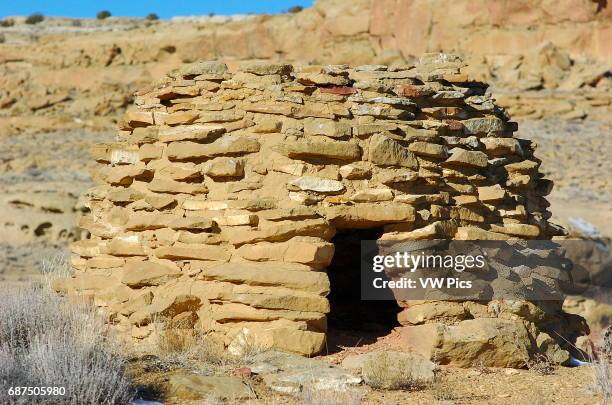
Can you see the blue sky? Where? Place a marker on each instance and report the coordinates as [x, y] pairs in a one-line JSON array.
[[139, 8]]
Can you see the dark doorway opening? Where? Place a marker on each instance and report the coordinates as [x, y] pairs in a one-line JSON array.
[[354, 322]]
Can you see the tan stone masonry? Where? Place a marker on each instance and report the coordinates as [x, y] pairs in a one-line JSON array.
[[218, 201]]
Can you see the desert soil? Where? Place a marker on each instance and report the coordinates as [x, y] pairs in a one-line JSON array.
[[576, 156], [41, 178], [454, 386]]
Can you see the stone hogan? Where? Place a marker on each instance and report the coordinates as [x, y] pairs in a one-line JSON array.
[[220, 204]]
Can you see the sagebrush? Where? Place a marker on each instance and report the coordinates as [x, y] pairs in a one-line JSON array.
[[46, 342], [602, 377]]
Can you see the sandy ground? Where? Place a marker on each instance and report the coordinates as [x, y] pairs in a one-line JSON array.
[[41, 178], [576, 156], [453, 386]]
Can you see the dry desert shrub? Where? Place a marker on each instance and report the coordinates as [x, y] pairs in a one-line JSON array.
[[55, 268], [7, 22], [541, 364], [602, 375], [182, 347], [603, 367], [385, 372], [48, 342], [103, 15], [34, 18], [599, 359], [606, 342], [194, 349], [443, 391]]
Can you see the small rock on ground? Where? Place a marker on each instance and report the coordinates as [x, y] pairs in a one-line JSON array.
[[289, 373], [193, 387]]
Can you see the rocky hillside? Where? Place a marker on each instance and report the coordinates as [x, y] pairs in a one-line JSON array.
[[63, 73]]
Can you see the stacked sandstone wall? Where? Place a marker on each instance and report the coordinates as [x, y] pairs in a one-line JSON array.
[[218, 201]]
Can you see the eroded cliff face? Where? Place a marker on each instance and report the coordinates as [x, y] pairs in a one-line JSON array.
[[484, 28], [55, 73]]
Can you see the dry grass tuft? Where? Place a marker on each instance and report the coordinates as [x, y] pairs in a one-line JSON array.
[[599, 357], [55, 268], [45, 341], [385, 372], [541, 364], [602, 367], [482, 369], [443, 391], [602, 375], [197, 350], [185, 346], [175, 342]]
